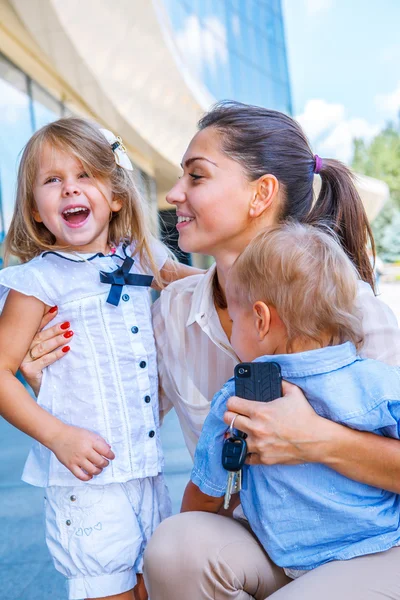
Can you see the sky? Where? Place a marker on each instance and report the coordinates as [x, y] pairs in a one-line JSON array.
[[344, 67]]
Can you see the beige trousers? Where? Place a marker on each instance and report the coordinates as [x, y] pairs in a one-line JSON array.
[[202, 556]]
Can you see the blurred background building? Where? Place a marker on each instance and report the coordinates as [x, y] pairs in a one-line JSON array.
[[146, 70]]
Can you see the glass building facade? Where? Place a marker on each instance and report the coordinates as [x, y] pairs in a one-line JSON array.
[[235, 47]]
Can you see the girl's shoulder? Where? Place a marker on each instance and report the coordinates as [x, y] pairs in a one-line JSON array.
[[27, 278]]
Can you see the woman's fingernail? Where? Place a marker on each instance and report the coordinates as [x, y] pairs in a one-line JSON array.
[[53, 309], [68, 334], [66, 325], [66, 349]]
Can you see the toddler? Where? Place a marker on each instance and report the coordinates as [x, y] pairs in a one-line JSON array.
[[291, 297]]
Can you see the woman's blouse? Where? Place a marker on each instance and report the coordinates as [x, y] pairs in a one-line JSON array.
[[108, 382], [195, 358]]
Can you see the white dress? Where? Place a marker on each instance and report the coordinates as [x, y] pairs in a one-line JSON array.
[[107, 383]]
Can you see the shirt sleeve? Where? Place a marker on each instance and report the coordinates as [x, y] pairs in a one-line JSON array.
[[26, 280], [381, 330], [208, 473], [383, 419]]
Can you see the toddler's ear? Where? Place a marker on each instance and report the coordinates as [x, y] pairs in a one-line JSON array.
[[262, 319]]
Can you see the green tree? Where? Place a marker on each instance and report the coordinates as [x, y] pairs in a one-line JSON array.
[[381, 159]]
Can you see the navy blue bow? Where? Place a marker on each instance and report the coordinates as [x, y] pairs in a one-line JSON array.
[[121, 277]]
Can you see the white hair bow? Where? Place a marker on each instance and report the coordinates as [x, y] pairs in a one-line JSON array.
[[121, 157]]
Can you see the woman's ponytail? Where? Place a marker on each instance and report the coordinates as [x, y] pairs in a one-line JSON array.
[[339, 205]]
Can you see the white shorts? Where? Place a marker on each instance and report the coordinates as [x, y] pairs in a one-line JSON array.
[[97, 534]]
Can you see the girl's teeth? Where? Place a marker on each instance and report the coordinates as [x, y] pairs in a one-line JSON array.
[[69, 211]]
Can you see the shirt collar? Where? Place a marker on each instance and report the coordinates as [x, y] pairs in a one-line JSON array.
[[314, 362], [202, 303], [82, 257]]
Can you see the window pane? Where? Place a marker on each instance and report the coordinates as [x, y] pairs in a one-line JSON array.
[[45, 107], [15, 130]]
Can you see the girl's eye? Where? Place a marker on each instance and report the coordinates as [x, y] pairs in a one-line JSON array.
[[84, 174], [51, 180], [195, 177]]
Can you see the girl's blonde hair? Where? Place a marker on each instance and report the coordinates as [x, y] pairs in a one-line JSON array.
[[303, 273], [82, 139]]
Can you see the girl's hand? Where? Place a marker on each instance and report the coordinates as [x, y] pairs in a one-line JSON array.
[[83, 452], [47, 347], [285, 431]]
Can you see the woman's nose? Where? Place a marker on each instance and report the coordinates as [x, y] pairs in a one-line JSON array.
[[176, 194]]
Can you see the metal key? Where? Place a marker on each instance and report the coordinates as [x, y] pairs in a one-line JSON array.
[[234, 453]]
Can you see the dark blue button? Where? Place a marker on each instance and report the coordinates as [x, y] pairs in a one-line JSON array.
[[152, 433], [125, 297], [147, 399], [134, 329], [142, 364]]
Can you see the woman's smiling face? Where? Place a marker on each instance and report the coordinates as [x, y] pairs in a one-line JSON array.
[[212, 198]]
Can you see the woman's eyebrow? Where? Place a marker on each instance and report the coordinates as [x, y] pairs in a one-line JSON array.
[[189, 161]]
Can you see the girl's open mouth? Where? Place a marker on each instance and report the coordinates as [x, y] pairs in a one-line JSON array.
[[76, 216]]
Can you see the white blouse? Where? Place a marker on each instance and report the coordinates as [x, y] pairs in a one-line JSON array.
[[108, 382], [195, 358]]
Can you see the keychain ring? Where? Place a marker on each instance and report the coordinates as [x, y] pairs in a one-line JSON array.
[[232, 424]]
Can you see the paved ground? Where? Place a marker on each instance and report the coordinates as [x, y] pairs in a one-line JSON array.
[[26, 571]]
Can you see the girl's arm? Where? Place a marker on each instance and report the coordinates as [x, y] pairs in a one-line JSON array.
[[84, 453], [288, 431]]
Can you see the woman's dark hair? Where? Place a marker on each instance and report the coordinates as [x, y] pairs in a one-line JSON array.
[[267, 141]]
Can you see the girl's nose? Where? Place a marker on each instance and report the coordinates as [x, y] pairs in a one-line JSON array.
[[70, 189], [176, 194]]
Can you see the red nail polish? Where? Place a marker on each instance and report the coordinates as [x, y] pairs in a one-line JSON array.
[[66, 349], [53, 309], [66, 325], [68, 334]]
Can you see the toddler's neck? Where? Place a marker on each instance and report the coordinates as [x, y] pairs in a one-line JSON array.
[[304, 345]]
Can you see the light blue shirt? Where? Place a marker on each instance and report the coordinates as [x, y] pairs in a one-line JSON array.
[[308, 514]]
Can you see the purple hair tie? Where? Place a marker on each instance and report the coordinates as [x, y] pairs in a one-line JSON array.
[[318, 164]]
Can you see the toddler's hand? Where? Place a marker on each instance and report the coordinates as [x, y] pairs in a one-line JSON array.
[[83, 452]]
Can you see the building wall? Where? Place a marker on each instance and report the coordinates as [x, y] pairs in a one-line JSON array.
[[145, 69]]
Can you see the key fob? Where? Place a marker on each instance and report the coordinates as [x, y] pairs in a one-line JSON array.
[[234, 453]]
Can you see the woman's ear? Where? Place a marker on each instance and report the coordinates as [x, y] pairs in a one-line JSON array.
[[262, 319], [267, 188]]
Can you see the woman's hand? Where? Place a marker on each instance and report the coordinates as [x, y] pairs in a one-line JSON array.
[[285, 431], [47, 347], [83, 452]]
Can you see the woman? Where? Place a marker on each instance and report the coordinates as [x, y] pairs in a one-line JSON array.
[[248, 168]]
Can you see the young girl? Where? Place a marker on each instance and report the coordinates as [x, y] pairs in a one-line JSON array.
[[79, 230]]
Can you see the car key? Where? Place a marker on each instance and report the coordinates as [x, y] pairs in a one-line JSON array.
[[234, 453]]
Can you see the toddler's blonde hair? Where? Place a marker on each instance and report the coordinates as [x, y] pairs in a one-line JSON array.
[[82, 139], [303, 273]]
